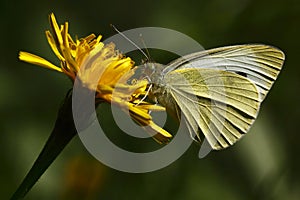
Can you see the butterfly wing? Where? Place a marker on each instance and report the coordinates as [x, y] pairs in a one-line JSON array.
[[220, 104], [259, 63]]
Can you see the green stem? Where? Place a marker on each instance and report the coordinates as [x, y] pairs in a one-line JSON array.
[[64, 130]]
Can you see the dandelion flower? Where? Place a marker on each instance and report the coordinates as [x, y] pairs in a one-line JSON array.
[[87, 57]]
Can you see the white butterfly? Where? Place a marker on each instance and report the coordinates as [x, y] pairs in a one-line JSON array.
[[217, 91]]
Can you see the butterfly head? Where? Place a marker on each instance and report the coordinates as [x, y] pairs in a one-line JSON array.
[[153, 72]]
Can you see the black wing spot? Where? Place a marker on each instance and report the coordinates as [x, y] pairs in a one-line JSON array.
[[242, 74]]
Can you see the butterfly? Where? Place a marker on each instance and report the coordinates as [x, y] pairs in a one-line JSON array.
[[217, 91]]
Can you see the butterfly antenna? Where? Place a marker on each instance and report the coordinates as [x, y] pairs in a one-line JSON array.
[[146, 55], [144, 44], [129, 40]]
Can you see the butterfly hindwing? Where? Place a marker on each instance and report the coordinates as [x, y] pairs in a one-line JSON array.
[[222, 105]]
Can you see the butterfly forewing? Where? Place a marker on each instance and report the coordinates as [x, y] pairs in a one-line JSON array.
[[259, 63]]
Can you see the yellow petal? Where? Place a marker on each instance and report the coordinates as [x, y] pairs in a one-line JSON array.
[[161, 136], [140, 115], [65, 35], [34, 59], [150, 107], [53, 46], [56, 29]]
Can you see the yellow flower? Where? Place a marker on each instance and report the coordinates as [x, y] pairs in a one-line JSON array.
[[88, 58]]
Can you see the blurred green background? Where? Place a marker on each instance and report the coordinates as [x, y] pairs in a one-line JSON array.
[[263, 165]]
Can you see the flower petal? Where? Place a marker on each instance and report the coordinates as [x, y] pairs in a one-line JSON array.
[[34, 59], [56, 30], [53, 46], [161, 136]]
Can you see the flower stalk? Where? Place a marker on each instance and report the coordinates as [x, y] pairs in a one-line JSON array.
[[62, 133]]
